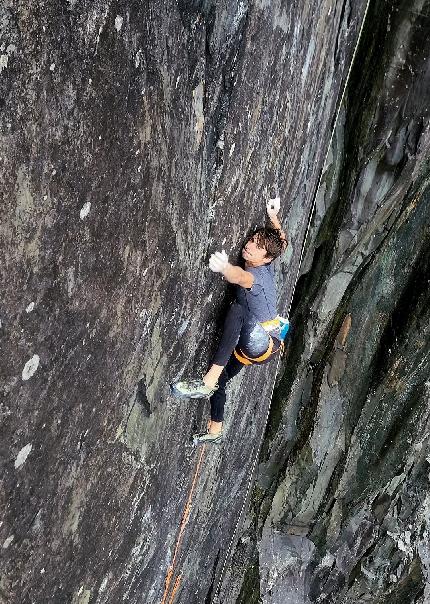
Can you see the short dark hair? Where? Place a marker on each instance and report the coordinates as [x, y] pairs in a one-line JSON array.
[[271, 239]]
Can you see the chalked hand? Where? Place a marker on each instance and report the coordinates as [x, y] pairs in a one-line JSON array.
[[218, 261], [273, 206]]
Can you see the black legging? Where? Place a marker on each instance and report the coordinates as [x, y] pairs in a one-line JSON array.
[[219, 396], [243, 329]]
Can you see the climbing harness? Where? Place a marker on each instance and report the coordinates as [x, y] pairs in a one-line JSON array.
[[187, 509], [279, 324], [246, 360]]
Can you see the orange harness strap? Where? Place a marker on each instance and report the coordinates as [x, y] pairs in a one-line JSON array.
[[240, 358], [245, 360]]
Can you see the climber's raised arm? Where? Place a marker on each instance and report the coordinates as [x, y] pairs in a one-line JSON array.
[[218, 263]]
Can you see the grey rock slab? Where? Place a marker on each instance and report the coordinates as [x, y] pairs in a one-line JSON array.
[[284, 561]]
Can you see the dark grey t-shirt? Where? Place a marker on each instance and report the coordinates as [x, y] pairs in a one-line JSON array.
[[260, 300]]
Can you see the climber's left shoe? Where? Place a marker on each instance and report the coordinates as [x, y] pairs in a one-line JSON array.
[[206, 438], [192, 389]]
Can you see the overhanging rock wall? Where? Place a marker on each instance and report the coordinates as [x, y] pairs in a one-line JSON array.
[[136, 138]]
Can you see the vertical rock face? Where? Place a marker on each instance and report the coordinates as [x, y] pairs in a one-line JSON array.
[[136, 138], [343, 481]]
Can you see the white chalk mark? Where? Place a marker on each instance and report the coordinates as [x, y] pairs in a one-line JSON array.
[[22, 455], [118, 23], [30, 367], [8, 541], [85, 210]]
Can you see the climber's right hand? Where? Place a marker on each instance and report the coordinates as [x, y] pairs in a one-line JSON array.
[[218, 262]]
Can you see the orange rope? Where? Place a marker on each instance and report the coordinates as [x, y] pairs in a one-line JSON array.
[[175, 588], [184, 520]]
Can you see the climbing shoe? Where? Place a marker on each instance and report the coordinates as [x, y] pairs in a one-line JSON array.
[[192, 389], [205, 438]]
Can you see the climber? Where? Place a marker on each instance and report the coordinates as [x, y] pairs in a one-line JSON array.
[[252, 332]]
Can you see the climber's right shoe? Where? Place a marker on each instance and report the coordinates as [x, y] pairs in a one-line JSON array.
[[192, 389]]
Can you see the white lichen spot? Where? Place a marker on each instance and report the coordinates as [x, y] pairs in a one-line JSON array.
[[198, 94], [30, 367], [328, 560], [82, 596], [4, 58], [118, 23], [22, 455], [241, 12], [30, 307], [85, 210], [183, 327], [70, 280], [104, 584], [8, 541], [3, 62], [144, 314], [52, 67], [308, 60]]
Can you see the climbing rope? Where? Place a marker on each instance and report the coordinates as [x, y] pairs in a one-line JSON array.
[[187, 509], [184, 520], [257, 454]]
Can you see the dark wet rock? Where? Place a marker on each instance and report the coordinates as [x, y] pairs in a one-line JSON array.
[[346, 453]]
